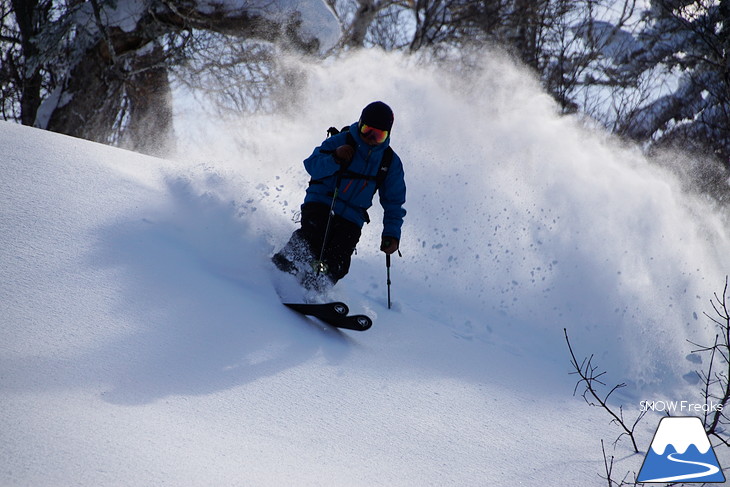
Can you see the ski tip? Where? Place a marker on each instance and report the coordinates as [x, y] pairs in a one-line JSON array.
[[363, 322]]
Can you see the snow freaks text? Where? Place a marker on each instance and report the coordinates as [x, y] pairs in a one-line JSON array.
[[684, 407]]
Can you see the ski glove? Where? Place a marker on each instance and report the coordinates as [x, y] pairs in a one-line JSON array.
[[344, 154], [389, 245]]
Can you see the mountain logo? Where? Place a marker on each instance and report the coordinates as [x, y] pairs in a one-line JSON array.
[[680, 451]]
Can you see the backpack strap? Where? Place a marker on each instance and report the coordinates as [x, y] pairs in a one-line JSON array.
[[384, 166], [351, 140], [379, 177]]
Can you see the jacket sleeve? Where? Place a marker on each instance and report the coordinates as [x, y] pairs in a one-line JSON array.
[[392, 199], [321, 163]]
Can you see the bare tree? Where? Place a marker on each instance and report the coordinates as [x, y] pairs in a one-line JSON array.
[[235, 76], [716, 377], [590, 380], [21, 84], [561, 40], [100, 69], [688, 41], [366, 23]]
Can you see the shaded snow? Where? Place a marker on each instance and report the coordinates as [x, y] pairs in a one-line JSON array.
[[611, 41]]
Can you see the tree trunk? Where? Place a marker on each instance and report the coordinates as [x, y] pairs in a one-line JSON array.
[[27, 15], [117, 94], [149, 128]]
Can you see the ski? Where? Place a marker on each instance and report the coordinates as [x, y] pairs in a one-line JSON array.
[[334, 314]]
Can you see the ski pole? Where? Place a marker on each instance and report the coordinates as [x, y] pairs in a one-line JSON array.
[[319, 266], [387, 267]]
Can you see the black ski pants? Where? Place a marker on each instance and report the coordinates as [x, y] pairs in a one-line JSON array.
[[305, 243]]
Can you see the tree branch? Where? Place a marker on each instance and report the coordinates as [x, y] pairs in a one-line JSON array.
[[588, 376]]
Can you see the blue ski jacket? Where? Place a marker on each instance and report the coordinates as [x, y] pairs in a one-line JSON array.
[[355, 195]]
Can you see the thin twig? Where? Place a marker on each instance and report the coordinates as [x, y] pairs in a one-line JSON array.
[[587, 373]]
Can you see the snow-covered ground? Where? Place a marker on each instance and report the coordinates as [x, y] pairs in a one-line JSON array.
[[142, 341]]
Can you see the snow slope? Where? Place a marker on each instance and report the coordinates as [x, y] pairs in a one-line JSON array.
[[142, 342]]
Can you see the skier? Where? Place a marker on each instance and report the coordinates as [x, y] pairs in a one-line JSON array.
[[346, 170]]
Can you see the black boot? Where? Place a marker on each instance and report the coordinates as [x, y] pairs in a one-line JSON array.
[[284, 264]]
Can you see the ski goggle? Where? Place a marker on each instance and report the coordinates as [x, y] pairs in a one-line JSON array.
[[377, 135]]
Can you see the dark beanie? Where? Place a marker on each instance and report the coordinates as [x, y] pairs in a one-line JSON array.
[[377, 115]]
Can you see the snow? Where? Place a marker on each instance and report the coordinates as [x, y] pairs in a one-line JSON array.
[[611, 41], [314, 18], [124, 14], [48, 105], [142, 340]]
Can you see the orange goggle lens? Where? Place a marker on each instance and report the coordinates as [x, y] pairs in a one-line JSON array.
[[377, 135]]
